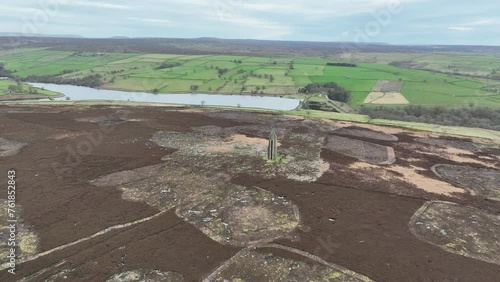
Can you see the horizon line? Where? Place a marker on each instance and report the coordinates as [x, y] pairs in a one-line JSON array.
[[69, 36]]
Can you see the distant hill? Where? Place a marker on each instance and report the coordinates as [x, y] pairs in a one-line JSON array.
[[245, 47], [17, 34], [119, 37]]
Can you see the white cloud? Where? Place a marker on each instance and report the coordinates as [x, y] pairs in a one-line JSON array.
[[473, 25], [485, 22], [151, 20], [260, 29], [324, 20], [460, 28], [16, 10], [309, 8], [103, 5]]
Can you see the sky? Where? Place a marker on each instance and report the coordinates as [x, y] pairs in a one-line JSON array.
[[420, 22]]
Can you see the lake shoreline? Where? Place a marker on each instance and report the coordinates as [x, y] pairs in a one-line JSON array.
[[81, 93], [181, 92], [27, 97]]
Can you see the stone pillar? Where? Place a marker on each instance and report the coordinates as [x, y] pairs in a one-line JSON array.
[[272, 149]]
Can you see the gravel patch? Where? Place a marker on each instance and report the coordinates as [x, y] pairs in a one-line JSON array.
[[9, 148], [146, 276]]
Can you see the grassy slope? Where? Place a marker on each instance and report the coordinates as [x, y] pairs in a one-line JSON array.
[[479, 64], [4, 85]]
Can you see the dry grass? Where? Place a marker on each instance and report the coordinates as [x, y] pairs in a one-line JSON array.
[[388, 86], [411, 176], [225, 212], [478, 181], [386, 98], [263, 264], [462, 230], [455, 154], [241, 216]]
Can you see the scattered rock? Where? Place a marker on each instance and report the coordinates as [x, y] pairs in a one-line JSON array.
[[462, 230], [146, 276], [9, 148]]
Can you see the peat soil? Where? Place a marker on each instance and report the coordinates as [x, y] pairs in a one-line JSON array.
[[348, 218]]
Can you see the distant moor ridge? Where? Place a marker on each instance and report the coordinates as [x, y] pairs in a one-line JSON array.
[[224, 46]]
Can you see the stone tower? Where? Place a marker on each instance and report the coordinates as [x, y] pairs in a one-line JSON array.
[[272, 149]]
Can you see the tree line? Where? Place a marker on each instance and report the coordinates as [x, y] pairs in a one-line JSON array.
[[168, 65], [470, 116], [349, 65], [5, 72], [94, 80]]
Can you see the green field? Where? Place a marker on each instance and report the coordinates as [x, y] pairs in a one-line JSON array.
[[271, 76], [25, 89], [467, 63]]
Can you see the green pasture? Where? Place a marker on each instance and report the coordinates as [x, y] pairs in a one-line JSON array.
[[4, 89], [243, 74], [463, 63]]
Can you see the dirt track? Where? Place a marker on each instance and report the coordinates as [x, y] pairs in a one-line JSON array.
[[353, 216]]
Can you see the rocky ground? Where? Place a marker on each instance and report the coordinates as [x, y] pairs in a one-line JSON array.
[[166, 194]]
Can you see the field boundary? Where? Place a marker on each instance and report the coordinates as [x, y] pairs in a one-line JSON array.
[[435, 128]]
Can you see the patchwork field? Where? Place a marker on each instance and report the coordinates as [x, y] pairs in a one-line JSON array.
[[484, 64], [386, 98], [170, 73], [172, 194]]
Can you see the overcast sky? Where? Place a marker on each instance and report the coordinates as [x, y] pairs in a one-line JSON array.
[[391, 21]]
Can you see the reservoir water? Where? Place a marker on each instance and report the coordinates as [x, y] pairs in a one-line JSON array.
[[79, 93]]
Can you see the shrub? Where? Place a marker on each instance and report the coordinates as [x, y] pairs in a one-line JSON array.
[[331, 89]]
